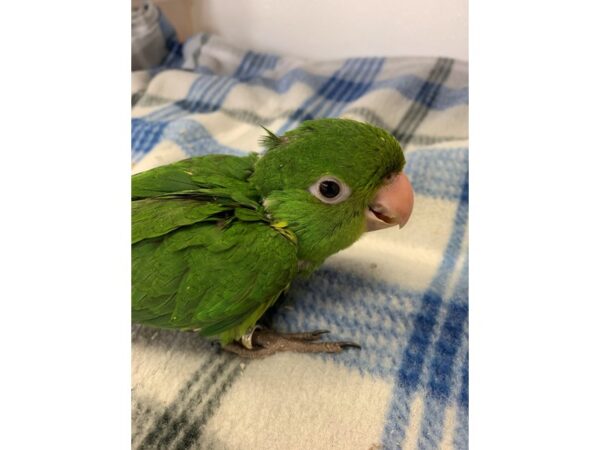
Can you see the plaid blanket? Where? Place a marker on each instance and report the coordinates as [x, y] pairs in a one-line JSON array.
[[401, 294]]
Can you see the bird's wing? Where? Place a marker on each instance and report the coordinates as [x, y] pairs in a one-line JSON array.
[[210, 175], [155, 217], [204, 189], [216, 280]]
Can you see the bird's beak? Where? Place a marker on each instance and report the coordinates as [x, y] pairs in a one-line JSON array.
[[392, 205]]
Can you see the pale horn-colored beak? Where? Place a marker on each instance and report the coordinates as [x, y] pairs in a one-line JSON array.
[[392, 205]]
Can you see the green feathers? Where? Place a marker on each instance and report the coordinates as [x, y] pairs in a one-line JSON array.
[[219, 173], [271, 140], [155, 217], [199, 237], [217, 239], [206, 279], [360, 154], [357, 155]]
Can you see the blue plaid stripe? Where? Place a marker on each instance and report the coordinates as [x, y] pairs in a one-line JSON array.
[[410, 87], [195, 140], [355, 78], [464, 391], [425, 97], [438, 173], [456, 239], [461, 437], [410, 375], [144, 136], [406, 85], [254, 64], [352, 80], [444, 378], [283, 83], [209, 91]]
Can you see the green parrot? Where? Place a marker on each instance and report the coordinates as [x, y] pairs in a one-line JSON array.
[[217, 239]]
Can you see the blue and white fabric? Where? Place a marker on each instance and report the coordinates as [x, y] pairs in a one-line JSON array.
[[401, 294]]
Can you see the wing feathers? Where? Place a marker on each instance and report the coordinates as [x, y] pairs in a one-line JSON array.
[[219, 282], [203, 255]]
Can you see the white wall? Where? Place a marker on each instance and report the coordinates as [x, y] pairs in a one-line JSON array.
[[323, 29]]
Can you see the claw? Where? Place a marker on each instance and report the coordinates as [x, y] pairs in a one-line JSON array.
[[320, 332], [304, 336], [267, 342], [350, 345]]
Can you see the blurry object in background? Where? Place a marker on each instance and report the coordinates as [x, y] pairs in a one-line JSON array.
[[150, 35], [179, 14]]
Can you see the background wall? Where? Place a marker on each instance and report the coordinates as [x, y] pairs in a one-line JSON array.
[[323, 29]]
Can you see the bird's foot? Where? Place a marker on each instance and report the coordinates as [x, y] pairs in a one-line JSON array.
[[262, 342]]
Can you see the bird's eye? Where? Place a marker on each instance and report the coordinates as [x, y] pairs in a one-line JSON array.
[[330, 190]]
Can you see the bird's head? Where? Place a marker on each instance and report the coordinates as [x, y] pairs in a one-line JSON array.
[[330, 180]]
